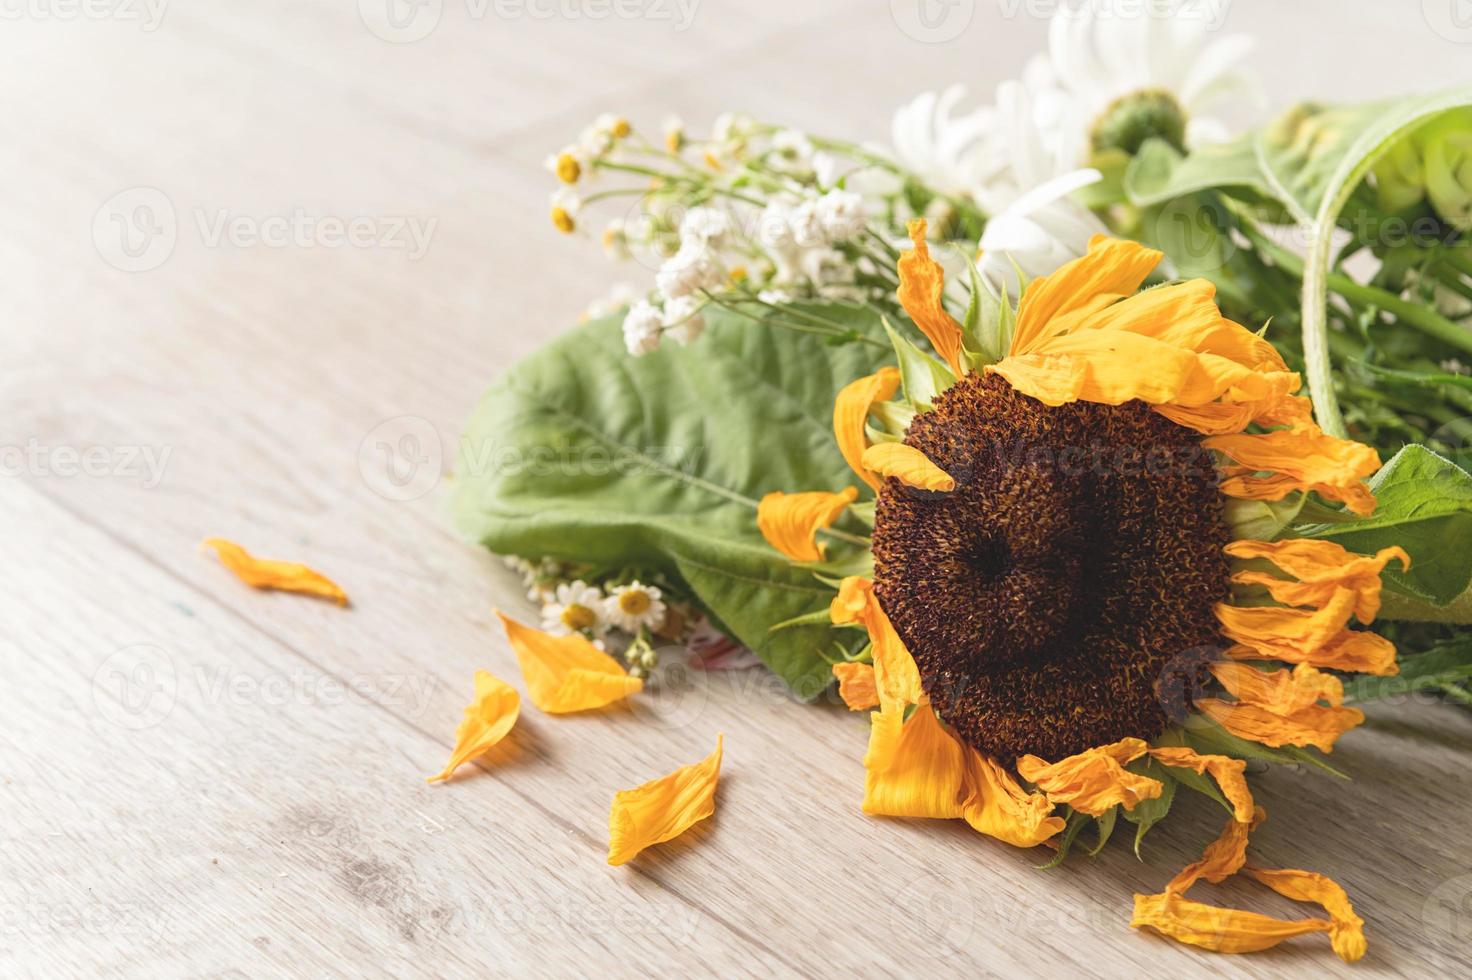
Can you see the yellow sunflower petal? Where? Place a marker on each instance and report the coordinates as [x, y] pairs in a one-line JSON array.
[[664, 808], [921, 291], [913, 768], [268, 573], [1230, 775], [851, 410], [1346, 930], [856, 685], [996, 805], [1281, 707], [896, 678], [1306, 459], [1288, 634], [1352, 650], [1094, 780], [908, 465], [1280, 691], [1234, 931], [1320, 567], [567, 673], [790, 521], [487, 720], [1110, 266]]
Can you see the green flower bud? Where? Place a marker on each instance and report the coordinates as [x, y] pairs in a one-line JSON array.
[[1434, 161], [1129, 121]]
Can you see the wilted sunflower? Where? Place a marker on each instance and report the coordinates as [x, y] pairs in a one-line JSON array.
[[1081, 578]]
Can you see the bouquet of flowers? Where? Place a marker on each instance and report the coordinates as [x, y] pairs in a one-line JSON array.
[[1093, 449]]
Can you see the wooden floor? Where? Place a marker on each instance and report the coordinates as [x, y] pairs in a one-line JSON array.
[[203, 780]]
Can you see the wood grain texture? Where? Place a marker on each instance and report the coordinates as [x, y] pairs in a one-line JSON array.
[[203, 780]]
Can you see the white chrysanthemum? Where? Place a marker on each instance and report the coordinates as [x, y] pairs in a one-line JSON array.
[[576, 607], [683, 321], [693, 268], [1101, 54], [632, 606], [841, 214], [948, 152], [642, 327]]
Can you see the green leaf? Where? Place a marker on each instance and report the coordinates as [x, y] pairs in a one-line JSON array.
[[1076, 821], [1446, 663], [1158, 173], [1148, 813], [1423, 504], [1105, 826], [923, 376], [584, 453]]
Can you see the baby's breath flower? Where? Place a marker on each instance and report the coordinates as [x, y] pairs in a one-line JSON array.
[[705, 225], [634, 606], [683, 321], [693, 268], [576, 607], [841, 215], [642, 327]]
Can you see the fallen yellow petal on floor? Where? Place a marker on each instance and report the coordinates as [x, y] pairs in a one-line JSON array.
[[268, 573], [488, 719], [664, 808], [856, 685], [908, 465], [564, 674]]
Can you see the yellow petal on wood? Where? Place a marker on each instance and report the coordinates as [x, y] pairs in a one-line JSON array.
[[856, 685], [896, 678], [914, 768], [1094, 780], [1319, 567], [996, 805], [790, 521], [921, 292], [268, 573], [1230, 775], [851, 411], [487, 720], [663, 808], [567, 673], [908, 465]]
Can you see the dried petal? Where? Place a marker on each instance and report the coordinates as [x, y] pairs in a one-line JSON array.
[[856, 685], [896, 677], [267, 573], [998, 806], [914, 768], [488, 719], [908, 465], [1230, 775], [567, 673], [921, 293], [664, 808], [1095, 780], [850, 412], [1320, 567], [790, 521]]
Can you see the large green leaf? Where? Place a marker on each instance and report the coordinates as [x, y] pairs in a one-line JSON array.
[[582, 452], [1424, 504]]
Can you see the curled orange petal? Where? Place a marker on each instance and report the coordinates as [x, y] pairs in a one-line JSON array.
[[896, 678], [914, 767], [487, 720], [850, 412], [790, 521], [1225, 930], [1288, 634], [268, 573], [1111, 266], [1230, 775], [663, 808], [567, 673], [1293, 460], [856, 685], [1094, 780], [1320, 567], [908, 465], [1351, 650], [996, 805], [1281, 707], [921, 291]]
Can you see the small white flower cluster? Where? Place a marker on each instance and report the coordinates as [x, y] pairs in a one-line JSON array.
[[573, 605]]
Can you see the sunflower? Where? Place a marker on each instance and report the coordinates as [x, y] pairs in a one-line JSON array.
[[1084, 587]]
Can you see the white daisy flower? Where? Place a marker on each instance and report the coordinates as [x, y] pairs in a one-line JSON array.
[[945, 150], [642, 327], [1153, 70], [683, 321], [575, 607], [635, 605]]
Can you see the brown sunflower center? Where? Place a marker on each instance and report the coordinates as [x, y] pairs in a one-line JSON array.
[[1061, 596]]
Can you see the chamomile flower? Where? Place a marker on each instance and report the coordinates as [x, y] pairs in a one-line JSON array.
[[634, 606], [643, 325], [575, 607], [565, 205]]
